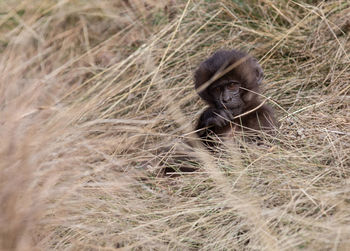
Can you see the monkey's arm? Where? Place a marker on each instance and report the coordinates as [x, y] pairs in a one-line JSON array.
[[211, 122]]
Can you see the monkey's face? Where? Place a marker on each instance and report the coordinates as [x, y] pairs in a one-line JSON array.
[[235, 91], [227, 95]]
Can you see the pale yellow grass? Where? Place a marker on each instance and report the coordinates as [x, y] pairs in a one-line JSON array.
[[97, 98]]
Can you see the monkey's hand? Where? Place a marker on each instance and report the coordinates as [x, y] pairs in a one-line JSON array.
[[213, 120]]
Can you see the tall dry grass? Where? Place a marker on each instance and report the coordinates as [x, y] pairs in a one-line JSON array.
[[93, 92]]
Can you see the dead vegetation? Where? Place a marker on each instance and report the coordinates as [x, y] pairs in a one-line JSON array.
[[92, 92]]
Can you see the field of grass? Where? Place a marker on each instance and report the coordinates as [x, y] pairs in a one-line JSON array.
[[97, 98]]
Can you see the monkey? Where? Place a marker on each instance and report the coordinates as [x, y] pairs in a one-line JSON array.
[[229, 82]]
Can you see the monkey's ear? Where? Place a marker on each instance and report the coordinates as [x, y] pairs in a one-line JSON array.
[[258, 71]]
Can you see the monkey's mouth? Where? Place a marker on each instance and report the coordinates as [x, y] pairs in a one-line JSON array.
[[235, 108], [236, 111], [231, 105]]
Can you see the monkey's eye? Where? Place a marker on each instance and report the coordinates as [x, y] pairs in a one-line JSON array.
[[233, 86]]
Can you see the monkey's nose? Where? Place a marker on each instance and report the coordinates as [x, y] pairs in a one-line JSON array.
[[226, 100]]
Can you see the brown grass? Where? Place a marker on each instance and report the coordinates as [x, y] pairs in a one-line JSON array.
[[92, 92]]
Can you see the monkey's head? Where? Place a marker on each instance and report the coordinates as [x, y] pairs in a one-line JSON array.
[[235, 89]]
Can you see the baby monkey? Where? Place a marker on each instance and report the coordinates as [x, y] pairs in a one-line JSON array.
[[229, 83]]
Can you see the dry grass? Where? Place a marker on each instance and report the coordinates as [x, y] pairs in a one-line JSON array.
[[92, 92]]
